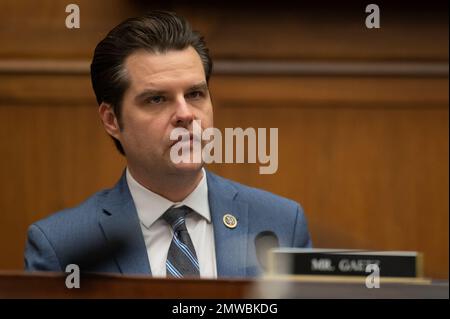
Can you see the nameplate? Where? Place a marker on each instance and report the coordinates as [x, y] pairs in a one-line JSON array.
[[344, 262]]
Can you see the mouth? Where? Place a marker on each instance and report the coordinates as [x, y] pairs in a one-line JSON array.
[[184, 137]]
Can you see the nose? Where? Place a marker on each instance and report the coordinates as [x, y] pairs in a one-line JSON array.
[[184, 114]]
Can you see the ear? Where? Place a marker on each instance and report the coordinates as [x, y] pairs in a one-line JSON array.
[[109, 119]]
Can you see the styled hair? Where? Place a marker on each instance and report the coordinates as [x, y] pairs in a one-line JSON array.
[[155, 32]]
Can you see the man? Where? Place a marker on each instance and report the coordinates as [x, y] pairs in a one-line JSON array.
[[150, 76]]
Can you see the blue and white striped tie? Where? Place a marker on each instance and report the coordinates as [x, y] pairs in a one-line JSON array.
[[181, 259]]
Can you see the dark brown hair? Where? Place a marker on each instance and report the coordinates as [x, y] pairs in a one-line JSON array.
[[156, 32]]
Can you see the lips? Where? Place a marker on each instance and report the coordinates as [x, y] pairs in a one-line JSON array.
[[180, 138]]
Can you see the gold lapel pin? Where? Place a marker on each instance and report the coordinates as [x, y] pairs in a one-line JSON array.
[[230, 221]]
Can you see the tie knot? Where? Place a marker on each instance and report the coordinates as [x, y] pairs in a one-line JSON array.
[[175, 217]]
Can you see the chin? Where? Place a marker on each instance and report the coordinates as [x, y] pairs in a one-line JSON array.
[[188, 168]]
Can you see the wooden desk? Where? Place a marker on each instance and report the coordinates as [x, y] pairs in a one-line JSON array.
[[52, 285]]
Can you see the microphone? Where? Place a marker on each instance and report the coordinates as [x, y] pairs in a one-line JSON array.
[[265, 241]]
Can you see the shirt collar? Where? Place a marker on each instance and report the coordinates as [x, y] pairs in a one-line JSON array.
[[150, 206]]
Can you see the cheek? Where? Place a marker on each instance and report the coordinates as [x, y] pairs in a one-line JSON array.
[[140, 131], [207, 117], [150, 133]]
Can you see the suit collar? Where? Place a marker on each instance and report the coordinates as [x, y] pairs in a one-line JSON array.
[[151, 206], [120, 225], [231, 244]]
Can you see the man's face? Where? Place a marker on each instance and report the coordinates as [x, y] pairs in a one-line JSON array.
[[166, 91]]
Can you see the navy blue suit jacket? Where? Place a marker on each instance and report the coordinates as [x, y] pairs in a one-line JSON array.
[[103, 234]]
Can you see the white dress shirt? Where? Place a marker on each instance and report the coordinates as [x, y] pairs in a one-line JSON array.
[[158, 234]]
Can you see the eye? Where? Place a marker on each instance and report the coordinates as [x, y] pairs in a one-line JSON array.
[[195, 94], [157, 99]]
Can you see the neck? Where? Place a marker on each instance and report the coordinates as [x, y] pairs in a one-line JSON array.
[[174, 187]]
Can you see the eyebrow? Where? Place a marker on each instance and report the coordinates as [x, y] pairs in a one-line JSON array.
[[200, 86]]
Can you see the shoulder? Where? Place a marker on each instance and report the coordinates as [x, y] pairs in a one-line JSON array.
[[255, 197], [75, 217], [52, 239], [266, 211]]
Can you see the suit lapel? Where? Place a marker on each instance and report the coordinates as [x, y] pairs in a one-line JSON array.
[[120, 224], [231, 244]]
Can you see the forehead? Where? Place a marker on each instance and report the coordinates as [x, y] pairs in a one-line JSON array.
[[172, 69]]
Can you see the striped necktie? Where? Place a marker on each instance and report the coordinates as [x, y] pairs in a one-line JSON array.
[[181, 259]]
